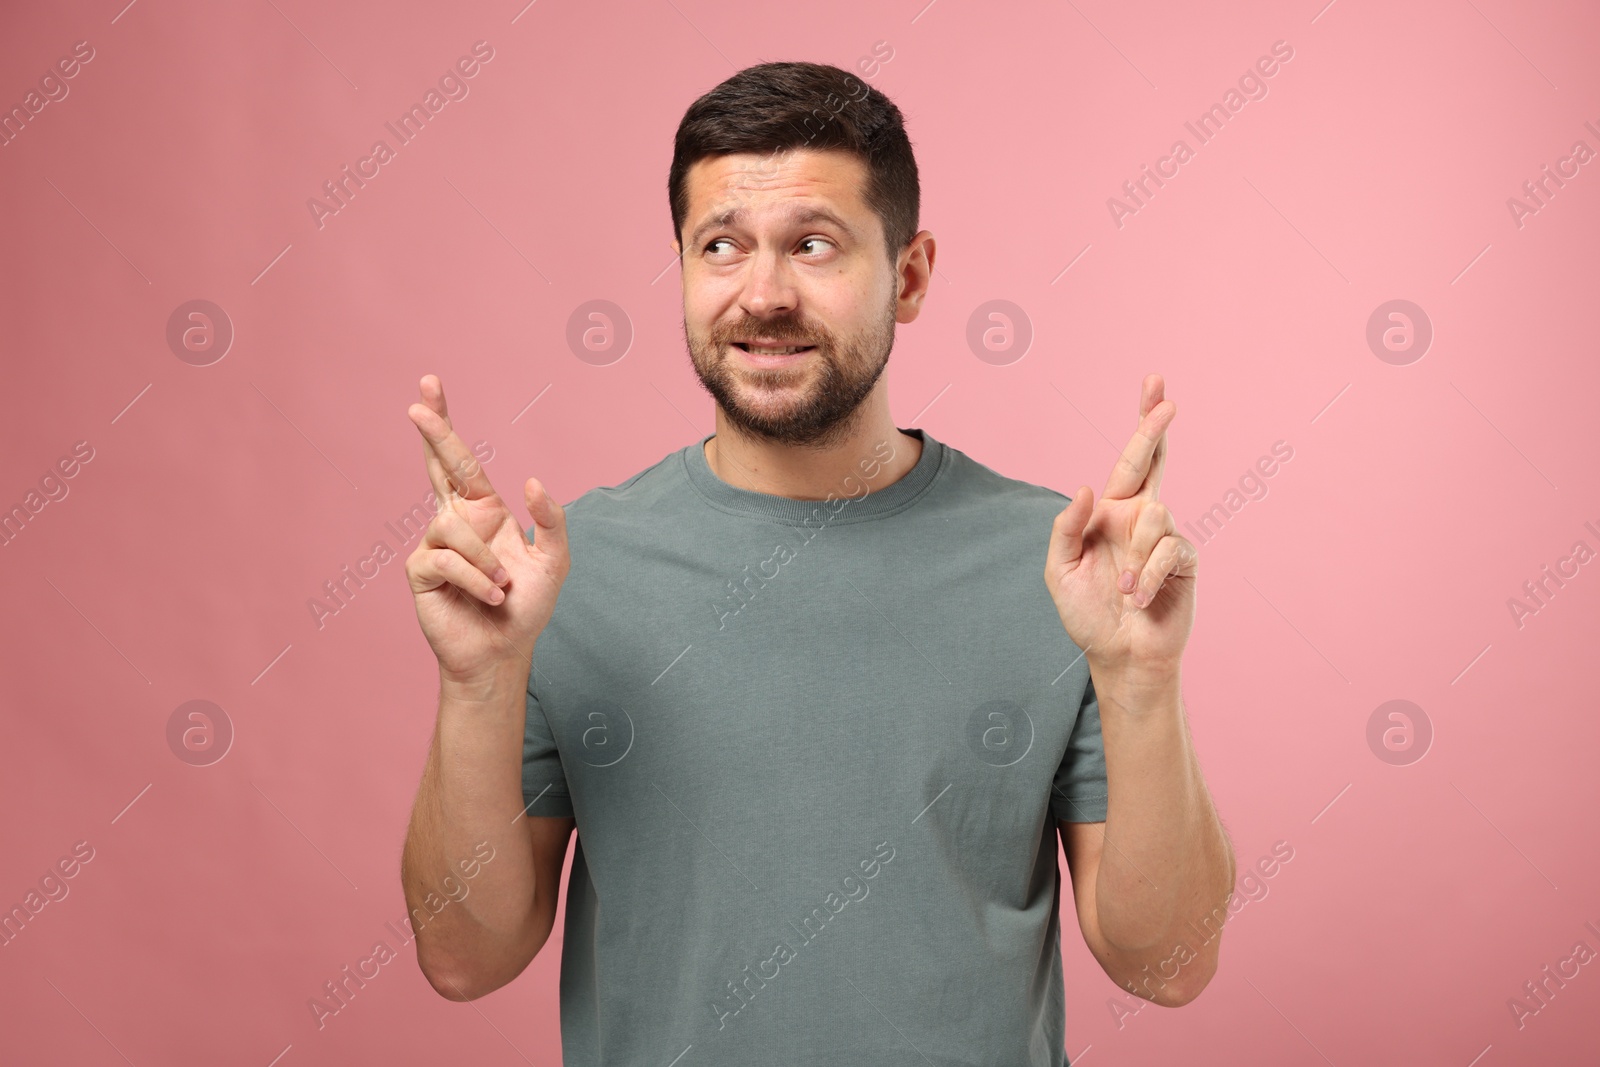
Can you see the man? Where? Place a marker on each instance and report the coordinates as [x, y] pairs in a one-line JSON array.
[[804, 696]]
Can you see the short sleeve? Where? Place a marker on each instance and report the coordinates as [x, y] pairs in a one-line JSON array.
[[544, 783], [1079, 792]]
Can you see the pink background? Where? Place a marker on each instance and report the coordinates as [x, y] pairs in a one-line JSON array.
[[1379, 566]]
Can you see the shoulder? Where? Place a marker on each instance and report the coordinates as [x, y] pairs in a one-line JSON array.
[[976, 485], [631, 501]]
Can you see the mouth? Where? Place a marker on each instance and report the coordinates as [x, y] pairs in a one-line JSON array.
[[773, 355]]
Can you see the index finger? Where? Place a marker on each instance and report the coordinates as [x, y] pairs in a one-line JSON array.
[[1153, 395], [1138, 469], [452, 468], [432, 392]]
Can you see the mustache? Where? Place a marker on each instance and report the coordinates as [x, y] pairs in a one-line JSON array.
[[777, 330]]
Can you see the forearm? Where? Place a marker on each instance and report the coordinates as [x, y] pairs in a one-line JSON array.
[[1167, 862], [472, 932]]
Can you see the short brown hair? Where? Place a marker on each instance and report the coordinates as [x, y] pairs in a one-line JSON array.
[[773, 107]]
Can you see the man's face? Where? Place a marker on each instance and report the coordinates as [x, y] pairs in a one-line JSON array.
[[782, 252]]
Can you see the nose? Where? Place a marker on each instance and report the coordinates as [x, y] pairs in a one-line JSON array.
[[769, 285]]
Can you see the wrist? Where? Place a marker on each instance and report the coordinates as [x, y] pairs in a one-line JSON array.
[[1136, 686], [491, 685]]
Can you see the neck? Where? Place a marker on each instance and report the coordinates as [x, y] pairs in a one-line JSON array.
[[811, 472]]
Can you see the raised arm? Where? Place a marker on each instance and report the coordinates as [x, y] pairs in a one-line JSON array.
[[1150, 877], [483, 594]]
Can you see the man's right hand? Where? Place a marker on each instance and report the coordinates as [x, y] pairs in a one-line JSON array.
[[483, 591]]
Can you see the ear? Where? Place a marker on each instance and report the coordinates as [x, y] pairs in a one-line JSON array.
[[915, 270]]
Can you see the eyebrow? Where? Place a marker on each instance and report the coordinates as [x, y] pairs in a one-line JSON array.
[[799, 217]]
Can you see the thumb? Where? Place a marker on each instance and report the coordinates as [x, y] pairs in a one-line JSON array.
[[549, 518], [1066, 535]]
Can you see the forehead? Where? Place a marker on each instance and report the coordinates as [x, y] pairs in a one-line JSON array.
[[764, 182]]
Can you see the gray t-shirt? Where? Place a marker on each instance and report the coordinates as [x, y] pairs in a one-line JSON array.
[[816, 751]]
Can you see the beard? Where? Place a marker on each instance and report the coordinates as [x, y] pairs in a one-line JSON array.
[[768, 404]]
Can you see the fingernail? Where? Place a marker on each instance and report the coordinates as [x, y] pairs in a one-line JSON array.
[[1142, 599], [1125, 583], [499, 576], [496, 596]]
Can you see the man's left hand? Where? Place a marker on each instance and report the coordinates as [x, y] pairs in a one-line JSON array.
[[1121, 576]]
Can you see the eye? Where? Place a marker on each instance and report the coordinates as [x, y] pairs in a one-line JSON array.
[[715, 241], [816, 240]]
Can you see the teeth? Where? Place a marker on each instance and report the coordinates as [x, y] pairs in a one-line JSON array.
[[777, 351]]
